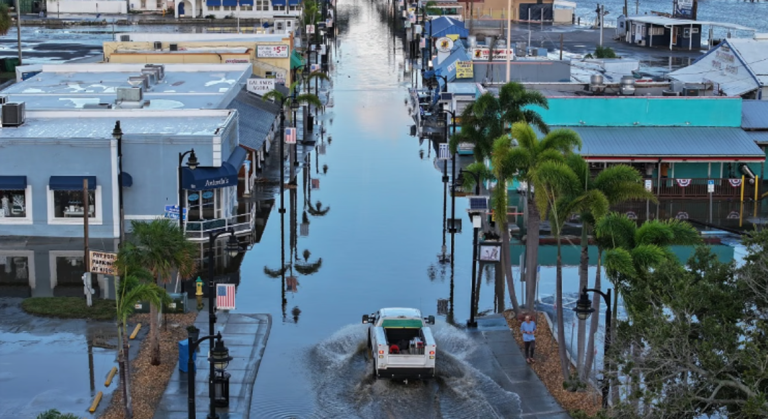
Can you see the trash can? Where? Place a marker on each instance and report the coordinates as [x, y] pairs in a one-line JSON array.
[[184, 355], [141, 307], [178, 303], [10, 64]]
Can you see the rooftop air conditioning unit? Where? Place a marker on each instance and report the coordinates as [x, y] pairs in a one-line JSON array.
[[693, 89], [97, 106], [174, 47], [125, 38], [129, 94], [139, 81], [158, 45], [13, 114], [151, 75], [160, 70]]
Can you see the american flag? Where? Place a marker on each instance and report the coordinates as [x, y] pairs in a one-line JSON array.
[[225, 296], [315, 183], [291, 284], [290, 135], [443, 152], [321, 149]]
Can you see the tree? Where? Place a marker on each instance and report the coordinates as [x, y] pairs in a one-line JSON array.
[[617, 184], [701, 337], [286, 100], [161, 248], [489, 117], [558, 196], [5, 19], [53, 413], [524, 160], [136, 284]]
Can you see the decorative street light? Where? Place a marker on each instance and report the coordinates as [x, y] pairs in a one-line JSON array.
[[219, 360], [453, 227], [117, 134], [192, 163], [477, 221], [583, 310], [232, 249]]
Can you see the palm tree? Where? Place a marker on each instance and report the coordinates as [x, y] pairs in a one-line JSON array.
[[616, 184], [161, 248], [53, 413], [558, 195], [489, 117], [5, 19], [286, 100], [315, 75], [524, 160], [631, 252], [136, 284]]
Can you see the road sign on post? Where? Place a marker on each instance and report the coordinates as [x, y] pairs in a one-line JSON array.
[[103, 263], [710, 186], [648, 185], [172, 212]]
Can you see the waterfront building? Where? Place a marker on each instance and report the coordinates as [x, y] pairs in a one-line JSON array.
[[735, 67], [667, 32], [269, 54], [557, 11], [62, 135], [244, 9]]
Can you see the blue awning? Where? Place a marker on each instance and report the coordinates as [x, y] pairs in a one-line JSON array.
[[246, 2], [294, 2], [204, 178], [237, 157], [13, 183], [126, 179], [71, 183], [278, 2]]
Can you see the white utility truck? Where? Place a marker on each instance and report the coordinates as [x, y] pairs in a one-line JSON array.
[[400, 344]]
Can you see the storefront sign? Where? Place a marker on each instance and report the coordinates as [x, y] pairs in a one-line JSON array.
[[499, 54], [172, 212], [103, 263], [444, 45], [272, 51], [260, 86], [236, 61], [683, 9], [464, 70]]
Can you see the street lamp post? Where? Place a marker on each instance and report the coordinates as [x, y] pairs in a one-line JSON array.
[[453, 172], [476, 224], [219, 360], [117, 134], [583, 310], [233, 248], [192, 163]]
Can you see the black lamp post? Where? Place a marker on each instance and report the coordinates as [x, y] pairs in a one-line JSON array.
[[219, 360], [453, 228], [233, 248], [192, 163], [583, 310], [445, 82], [117, 134], [476, 219]]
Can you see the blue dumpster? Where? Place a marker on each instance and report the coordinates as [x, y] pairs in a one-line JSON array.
[[184, 355]]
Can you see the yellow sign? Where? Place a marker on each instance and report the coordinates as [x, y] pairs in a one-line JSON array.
[[464, 70], [453, 37]]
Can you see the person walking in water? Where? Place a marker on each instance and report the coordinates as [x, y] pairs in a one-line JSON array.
[[528, 328]]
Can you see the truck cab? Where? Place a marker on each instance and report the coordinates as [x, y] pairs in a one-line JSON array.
[[401, 344]]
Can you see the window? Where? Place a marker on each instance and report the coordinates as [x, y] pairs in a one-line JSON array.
[[279, 8], [657, 31], [261, 5], [213, 8], [246, 8], [15, 205], [66, 206], [294, 8], [287, 23]]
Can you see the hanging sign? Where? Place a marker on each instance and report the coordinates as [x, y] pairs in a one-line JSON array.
[[648, 185], [310, 29], [260, 86], [272, 51], [103, 263], [290, 135], [444, 44]]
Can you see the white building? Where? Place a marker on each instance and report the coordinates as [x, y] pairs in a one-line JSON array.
[[244, 9]]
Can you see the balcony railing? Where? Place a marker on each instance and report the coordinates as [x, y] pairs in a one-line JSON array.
[[697, 188], [199, 230]]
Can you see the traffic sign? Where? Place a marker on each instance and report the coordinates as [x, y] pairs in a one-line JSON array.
[[648, 184], [172, 212], [710, 186]]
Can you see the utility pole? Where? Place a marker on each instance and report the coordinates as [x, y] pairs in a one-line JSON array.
[[561, 47], [602, 13], [509, 36], [86, 214], [18, 29], [637, 7]]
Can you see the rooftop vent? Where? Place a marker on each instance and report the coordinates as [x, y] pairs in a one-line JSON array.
[[13, 114], [125, 38], [160, 69], [97, 106], [151, 75], [129, 94], [174, 47], [158, 45], [596, 85], [139, 81]]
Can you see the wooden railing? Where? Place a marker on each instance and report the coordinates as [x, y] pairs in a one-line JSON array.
[[697, 188]]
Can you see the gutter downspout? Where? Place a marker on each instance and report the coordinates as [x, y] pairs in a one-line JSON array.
[[671, 35]]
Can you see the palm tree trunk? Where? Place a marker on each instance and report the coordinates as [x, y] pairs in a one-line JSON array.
[[594, 322], [506, 260], [154, 335], [614, 387], [559, 312], [531, 251], [583, 282], [124, 375], [500, 303]]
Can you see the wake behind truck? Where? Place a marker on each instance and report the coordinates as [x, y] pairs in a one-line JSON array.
[[400, 344]]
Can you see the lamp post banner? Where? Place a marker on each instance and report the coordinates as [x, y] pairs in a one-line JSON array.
[[290, 135], [225, 296]]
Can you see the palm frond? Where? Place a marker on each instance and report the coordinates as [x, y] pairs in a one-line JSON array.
[[654, 232], [618, 262], [562, 139], [309, 268], [273, 95], [310, 99], [647, 256], [684, 234], [616, 230]]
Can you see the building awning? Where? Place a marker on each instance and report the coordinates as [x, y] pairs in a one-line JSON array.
[[294, 2], [71, 183], [13, 183], [278, 2], [296, 60], [126, 179], [237, 157], [672, 144]]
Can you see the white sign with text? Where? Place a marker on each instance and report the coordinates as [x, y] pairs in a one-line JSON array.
[[272, 51], [260, 86]]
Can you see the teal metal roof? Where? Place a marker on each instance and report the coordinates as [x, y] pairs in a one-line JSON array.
[[657, 142], [754, 114]]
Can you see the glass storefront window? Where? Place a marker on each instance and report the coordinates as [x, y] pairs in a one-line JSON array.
[[69, 204], [13, 204]]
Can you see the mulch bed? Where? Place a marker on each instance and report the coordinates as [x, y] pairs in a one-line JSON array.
[[149, 382], [547, 367]]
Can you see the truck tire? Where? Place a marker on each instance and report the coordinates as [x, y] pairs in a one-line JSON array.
[[370, 347], [374, 373]]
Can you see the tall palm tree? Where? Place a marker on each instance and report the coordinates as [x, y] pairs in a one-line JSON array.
[[524, 160], [292, 96], [489, 117], [558, 196], [136, 284], [631, 252], [160, 247], [617, 184]]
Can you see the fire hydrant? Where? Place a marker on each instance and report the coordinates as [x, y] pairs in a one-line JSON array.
[[199, 286]]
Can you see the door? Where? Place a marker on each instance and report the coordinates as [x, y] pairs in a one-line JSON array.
[[674, 35], [181, 9]]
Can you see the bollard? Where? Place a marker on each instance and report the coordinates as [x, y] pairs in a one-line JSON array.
[[110, 376], [135, 331], [96, 401]]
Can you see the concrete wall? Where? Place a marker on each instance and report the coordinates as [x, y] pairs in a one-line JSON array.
[[563, 15], [87, 6], [643, 111]]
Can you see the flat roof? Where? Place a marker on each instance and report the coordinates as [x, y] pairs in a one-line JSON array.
[[201, 50], [191, 37], [70, 86], [99, 124], [668, 21]]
